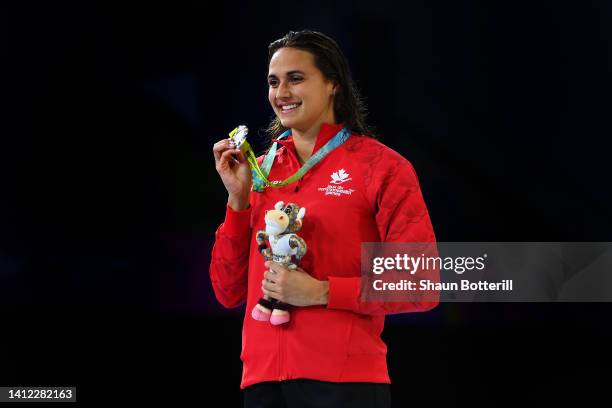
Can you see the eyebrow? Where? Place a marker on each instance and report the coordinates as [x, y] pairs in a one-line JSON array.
[[288, 73]]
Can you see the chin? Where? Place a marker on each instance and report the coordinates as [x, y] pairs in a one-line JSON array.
[[288, 123]]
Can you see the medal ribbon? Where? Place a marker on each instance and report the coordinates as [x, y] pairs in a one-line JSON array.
[[260, 174]]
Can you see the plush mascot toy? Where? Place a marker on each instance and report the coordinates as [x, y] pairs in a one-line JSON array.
[[286, 248]]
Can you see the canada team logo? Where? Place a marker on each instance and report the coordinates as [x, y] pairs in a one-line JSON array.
[[333, 188], [339, 177]]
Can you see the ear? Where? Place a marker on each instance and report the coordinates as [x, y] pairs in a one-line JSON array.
[[301, 214], [335, 88], [278, 205]]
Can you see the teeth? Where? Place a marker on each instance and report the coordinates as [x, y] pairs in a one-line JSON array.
[[287, 107]]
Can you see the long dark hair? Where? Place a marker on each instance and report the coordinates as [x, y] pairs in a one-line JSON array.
[[329, 59]]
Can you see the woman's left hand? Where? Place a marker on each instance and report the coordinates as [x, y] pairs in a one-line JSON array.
[[294, 286]]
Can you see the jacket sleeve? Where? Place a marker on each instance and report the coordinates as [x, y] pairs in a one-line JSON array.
[[401, 216], [230, 258]]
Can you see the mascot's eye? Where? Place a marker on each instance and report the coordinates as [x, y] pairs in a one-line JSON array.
[[288, 210]]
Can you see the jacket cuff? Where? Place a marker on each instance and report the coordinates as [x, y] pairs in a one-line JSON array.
[[237, 223], [343, 293]]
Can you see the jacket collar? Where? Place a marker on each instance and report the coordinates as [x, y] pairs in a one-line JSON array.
[[326, 132]]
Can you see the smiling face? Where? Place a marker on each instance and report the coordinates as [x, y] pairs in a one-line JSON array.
[[299, 94]]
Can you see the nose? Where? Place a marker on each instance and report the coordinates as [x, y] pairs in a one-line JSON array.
[[282, 91]]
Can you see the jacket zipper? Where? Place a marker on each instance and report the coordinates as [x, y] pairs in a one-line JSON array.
[[281, 375], [298, 165], [297, 185]]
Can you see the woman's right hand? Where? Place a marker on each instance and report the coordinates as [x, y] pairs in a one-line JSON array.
[[235, 173]]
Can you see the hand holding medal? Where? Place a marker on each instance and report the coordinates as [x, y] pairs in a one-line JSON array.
[[232, 166], [258, 175]]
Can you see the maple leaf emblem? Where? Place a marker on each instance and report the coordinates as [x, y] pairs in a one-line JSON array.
[[339, 177]]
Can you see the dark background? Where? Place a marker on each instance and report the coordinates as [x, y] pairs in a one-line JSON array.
[[110, 199]]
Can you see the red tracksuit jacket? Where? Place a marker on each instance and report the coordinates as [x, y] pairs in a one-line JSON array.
[[375, 199]]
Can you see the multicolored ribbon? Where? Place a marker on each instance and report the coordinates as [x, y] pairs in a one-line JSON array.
[[260, 174]]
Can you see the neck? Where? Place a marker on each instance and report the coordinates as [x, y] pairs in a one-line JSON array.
[[304, 142]]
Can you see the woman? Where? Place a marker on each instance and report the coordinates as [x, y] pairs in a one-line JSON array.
[[330, 354]]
